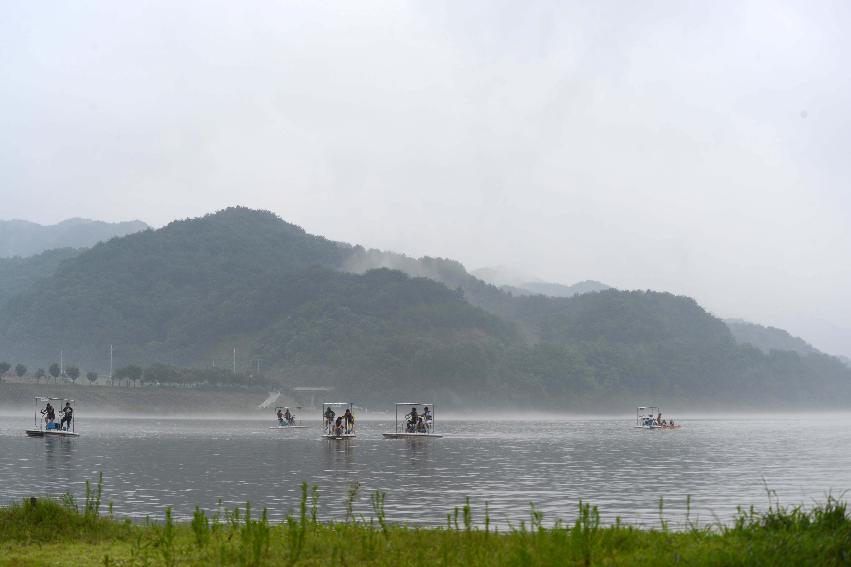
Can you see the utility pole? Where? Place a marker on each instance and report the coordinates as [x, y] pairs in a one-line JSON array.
[[61, 364], [110, 363], [234, 360]]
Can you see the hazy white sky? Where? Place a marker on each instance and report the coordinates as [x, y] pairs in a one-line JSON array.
[[696, 147]]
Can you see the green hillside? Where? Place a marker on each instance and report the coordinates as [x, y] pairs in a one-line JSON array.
[[316, 314], [149, 291]]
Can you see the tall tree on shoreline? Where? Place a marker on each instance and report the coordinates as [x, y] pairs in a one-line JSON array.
[[20, 370], [39, 374], [54, 371], [73, 373], [130, 372]]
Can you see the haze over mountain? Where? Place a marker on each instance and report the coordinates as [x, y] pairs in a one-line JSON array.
[[25, 238], [517, 284], [767, 339], [317, 312]]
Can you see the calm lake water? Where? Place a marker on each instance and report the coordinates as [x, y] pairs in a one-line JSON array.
[[149, 464]]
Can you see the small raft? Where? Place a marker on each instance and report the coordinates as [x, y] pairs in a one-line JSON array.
[[347, 431], [412, 425], [46, 426]]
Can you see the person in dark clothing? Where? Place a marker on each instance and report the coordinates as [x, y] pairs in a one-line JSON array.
[[412, 420], [427, 419], [48, 413], [280, 417], [349, 418], [338, 426], [329, 418], [67, 415]]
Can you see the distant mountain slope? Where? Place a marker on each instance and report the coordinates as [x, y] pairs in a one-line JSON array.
[[519, 285], [24, 238], [768, 338], [324, 313]]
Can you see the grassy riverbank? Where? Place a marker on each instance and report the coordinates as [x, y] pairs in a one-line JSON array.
[[46, 532]]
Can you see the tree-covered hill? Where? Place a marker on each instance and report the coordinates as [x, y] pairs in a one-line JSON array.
[[150, 288], [319, 313]]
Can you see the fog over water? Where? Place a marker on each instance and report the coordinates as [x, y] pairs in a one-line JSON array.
[[698, 148]]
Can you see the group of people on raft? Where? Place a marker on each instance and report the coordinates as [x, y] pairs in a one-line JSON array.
[[49, 414], [285, 417], [657, 421], [418, 422], [342, 425]]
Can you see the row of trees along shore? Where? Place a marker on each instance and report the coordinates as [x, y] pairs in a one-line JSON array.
[[132, 374], [53, 371]]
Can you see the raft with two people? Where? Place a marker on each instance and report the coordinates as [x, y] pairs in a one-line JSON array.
[[338, 427], [414, 424], [46, 426], [650, 417], [285, 419]]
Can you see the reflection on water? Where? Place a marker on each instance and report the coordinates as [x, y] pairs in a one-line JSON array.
[[150, 464]]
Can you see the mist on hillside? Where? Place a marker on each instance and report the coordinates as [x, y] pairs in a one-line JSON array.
[[439, 269]]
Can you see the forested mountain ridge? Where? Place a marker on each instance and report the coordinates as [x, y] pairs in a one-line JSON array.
[[24, 238], [316, 313], [127, 289]]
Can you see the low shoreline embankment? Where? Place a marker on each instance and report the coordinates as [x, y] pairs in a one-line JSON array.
[[147, 400]]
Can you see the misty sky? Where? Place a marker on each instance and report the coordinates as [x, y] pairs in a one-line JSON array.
[[696, 147]]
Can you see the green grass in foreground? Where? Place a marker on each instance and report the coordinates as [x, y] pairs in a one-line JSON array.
[[47, 532]]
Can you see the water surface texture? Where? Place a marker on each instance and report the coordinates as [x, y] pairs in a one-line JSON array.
[[149, 464]]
